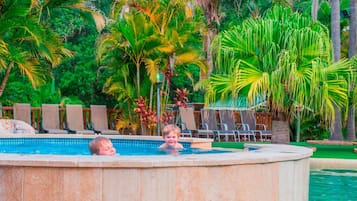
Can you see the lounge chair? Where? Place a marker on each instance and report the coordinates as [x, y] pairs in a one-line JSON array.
[[22, 111], [228, 122], [249, 122], [51, 120], [75, 122], [209, 120], [188, 124], [99, 118]]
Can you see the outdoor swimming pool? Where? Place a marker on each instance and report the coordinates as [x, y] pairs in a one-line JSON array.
[[79, 146], [196, 177], [333, 185], [325, 185]]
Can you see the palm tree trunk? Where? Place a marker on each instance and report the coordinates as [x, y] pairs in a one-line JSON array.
[[335, 29], [142, 126], [351, 126], [298, 125], [138, 78], [210, 8], [151, 96], [314, 9], [336, 126], [352, 49], [352, 46], [6, 77], [207, 46]]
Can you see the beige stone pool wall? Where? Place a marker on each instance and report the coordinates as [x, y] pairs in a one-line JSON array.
[[271, 173], [333, 163]]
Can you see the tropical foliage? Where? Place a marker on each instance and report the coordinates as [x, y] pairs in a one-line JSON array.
[[39, 47], [26, 44], [48, 54], [146, 38], [284, 57]]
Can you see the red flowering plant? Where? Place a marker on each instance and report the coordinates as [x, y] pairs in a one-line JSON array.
[[148, 117], [181, 97], [168, 75], [181, 101], [167, 117]]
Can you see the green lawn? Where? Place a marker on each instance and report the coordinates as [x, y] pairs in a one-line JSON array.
[[323, 151]]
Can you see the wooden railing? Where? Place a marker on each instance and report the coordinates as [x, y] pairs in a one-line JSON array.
[[36, 116]]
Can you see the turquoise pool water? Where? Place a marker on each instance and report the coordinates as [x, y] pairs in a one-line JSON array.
[[333, 185], [79, 146]]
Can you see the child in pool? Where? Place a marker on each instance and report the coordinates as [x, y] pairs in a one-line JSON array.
[[102, 146], [171, 135]]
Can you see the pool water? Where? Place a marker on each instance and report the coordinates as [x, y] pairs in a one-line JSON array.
[[333, 185], [79, 146]]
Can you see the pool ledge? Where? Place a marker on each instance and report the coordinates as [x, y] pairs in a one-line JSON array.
[[333, 163], [267, 153], [269, 172]]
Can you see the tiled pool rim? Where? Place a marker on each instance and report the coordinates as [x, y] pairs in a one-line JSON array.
[[272, 172]]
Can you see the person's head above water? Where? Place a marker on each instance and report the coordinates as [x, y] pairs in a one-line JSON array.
[[102, 146], [171, 135]]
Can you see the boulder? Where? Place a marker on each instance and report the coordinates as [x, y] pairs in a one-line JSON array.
[[12, 126]]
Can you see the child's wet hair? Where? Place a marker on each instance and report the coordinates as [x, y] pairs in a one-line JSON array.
[[95, 144], [171, 128]]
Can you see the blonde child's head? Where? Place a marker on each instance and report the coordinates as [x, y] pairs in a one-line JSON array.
[[171, 135], [101, 146], [171, 128]]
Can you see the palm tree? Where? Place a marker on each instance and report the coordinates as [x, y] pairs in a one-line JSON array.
[[151, 37], [325, 17], [352, 50], [210, 9], [179, 26], [124, 49], [131, 39], [284, 57], [336, 127], [120, 85], [27, 44]]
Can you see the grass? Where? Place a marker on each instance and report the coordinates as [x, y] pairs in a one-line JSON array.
[[322, 151]]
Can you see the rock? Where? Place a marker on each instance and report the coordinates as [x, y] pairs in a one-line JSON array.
[[12, 126]]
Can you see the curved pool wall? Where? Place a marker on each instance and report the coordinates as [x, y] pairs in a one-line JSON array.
[[333, 163], [268, 172]]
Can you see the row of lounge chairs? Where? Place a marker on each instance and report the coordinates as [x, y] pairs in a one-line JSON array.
[[74, 119], [228, 128]]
